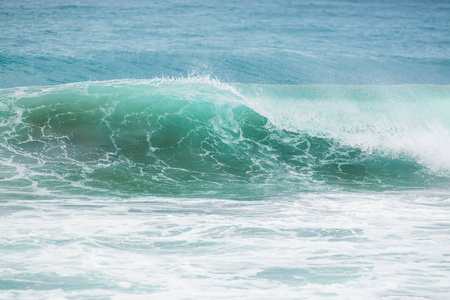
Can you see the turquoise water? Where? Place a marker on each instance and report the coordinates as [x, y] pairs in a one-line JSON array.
[[244, 149]]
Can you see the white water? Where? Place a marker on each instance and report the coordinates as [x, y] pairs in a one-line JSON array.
[[339, 245]]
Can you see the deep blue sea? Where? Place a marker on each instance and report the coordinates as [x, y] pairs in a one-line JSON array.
[[224, 149]]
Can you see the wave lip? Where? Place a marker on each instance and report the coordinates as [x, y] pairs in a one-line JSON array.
[[404, 120], [197, 135]]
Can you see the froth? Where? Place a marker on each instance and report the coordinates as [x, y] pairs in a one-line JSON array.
[[396, 121]]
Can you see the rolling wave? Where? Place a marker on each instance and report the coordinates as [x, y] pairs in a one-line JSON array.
[[196, 136]]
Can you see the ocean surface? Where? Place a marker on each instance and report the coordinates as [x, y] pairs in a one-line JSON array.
[[224, 150]]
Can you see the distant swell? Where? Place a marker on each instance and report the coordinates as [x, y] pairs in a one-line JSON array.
[[194, 136]]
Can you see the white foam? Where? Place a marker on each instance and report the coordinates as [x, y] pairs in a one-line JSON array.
[[317, 245], [390, 123]]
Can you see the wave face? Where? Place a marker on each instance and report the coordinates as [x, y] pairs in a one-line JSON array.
[[198, 136]]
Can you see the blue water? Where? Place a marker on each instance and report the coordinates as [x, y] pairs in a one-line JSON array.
[[238, 150], [287, 42]]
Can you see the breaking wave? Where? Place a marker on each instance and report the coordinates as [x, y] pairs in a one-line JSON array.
[[199, 136]]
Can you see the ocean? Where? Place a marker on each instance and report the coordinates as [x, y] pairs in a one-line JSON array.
[[224, 150]]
